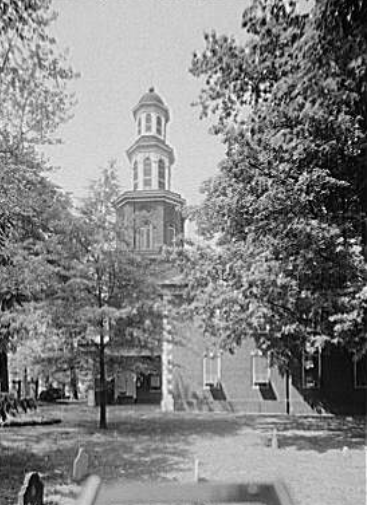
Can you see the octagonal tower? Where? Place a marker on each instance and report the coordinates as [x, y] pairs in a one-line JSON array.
[[150, 215]]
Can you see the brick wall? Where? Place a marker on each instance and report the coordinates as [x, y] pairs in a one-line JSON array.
[[336, 393]]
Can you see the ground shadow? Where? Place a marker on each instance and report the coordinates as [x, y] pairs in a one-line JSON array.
[[138, 445], [145, 444], [319, 434]]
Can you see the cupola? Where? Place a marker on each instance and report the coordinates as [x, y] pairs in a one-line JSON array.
[[150, 156]]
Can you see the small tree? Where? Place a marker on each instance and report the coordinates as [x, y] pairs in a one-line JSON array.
[[119, 298]]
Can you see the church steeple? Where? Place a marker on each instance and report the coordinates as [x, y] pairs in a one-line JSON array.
[[150, 214], [151, 158]]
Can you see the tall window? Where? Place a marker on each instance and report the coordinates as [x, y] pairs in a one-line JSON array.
[[169, 177], [260, 369], [148, 122], [212, 369], [135, 176], [145, 238], [171, 238], [139, 126], [311, 368], [147, 173], [161, 175], [159, 125]]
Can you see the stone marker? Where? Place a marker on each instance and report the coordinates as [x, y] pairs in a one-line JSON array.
[[196, 470], [80, 465], [274, 439], [32, 490]]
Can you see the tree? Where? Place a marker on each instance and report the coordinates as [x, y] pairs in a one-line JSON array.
[[118, 296], [287, 208], [33, 102], [31, 272]]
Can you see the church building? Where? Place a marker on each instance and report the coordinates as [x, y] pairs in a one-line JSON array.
[[185, 375]]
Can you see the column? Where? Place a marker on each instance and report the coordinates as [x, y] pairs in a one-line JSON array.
[[167, 403]]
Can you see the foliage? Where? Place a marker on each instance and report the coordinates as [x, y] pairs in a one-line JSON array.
[[33, 102], [288, 208], [104, 298], [118, 282]]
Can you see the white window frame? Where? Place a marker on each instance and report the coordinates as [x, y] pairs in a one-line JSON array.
[[135, 175], [305, 354], [159, 126], [255, 355], [356, 383], [171, 230], [161, 170], [144, 240], [148, 122], [215, 369], [147, 166]]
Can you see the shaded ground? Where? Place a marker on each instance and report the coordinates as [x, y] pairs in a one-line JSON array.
[[143, 444]]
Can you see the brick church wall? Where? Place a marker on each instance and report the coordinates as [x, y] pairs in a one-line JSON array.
[[336, 393], [236, 377]]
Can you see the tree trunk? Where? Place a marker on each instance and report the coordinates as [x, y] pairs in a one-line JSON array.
[[102, 383], [25, 391], [74, 382], [287, 396], [36, 388], [363, 199], [4, 372]]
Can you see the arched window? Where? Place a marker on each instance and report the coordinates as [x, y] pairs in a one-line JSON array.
[[147, 174], [135, 176], [148, 123], [171, 236], [161, 175], [139, 126], [145, 238], [159, 125]]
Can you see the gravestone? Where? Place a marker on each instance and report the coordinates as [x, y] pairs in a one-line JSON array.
[[196, 470], [80, 465], [32, 490], [274, 439]]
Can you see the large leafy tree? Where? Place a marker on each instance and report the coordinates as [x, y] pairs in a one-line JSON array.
[[288, 207], [33, 102]]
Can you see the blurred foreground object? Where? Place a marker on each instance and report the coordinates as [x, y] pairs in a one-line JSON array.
[[96, 493]]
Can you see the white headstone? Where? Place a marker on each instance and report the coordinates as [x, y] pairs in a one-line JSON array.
[[80, 465]]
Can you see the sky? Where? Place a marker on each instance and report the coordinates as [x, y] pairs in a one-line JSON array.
[[121, 48]]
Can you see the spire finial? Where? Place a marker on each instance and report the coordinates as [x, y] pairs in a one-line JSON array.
[[151, 89]]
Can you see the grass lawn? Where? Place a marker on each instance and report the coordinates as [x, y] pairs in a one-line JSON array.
[[143, 444]]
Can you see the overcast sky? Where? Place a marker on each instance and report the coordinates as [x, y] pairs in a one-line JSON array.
[[121, 48]]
